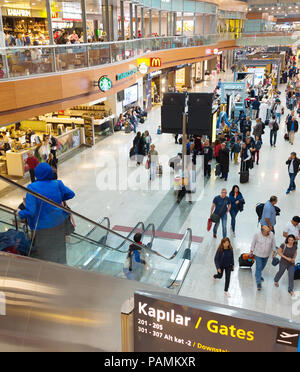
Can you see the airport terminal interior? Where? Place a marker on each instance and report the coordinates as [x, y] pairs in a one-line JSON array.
[[126, 127]]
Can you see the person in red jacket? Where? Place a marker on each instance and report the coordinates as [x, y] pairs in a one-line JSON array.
[[32, 162]]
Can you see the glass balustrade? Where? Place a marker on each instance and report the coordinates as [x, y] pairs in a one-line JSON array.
[[39, 60]]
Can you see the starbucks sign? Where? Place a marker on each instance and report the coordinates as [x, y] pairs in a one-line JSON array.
[[104, 83]]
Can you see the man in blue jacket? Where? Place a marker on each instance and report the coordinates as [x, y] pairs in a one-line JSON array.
[[48, 222]]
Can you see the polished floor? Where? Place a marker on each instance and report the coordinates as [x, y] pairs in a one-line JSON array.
[[106, 183]]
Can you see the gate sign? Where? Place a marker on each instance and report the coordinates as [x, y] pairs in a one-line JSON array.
[[186, 325]]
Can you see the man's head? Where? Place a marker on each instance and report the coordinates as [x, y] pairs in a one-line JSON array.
[[293, 155], [273, 200], [223, 193], [296, 220], [265, 230]]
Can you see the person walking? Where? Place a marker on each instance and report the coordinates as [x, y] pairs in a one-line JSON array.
[[208, 155], [263, 244], [268, 217], [139, 147], [245, 158], [279, 110], [48, 223], [32, 162], [292, 128], [256, 148], [224, 261], [237, 205], [255, 108], [258, 129], [153, 160], [236, 149], [293, 164], [288, 252], [219, 210], [274, 127], [224, 161], [148, 140]]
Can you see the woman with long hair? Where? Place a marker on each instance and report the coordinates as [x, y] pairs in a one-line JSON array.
[[237, 205], [224, 261], [288, 252]]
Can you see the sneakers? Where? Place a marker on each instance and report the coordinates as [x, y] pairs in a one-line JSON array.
[[227, 294], [259, 287], [287, 191]]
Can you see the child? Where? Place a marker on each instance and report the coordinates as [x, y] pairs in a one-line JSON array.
[[236, 149], [224, 260], [159, 130]]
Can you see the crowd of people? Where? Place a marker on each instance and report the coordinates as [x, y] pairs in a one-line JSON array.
[[237, 143]]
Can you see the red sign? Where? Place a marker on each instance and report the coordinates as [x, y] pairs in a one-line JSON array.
[[155, 62]]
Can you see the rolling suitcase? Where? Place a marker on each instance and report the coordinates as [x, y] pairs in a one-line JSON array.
[[244, 174], [246, 260]]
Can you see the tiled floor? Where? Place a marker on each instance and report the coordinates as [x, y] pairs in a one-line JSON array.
[[98, 176]]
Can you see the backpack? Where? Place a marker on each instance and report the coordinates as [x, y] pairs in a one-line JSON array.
[[275, 126], [259, 210]]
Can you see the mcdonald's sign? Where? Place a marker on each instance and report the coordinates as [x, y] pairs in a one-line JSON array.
[[155, 62]]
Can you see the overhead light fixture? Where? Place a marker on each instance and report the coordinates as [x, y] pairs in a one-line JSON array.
[[259, 8], [279, 7], [266, 8]]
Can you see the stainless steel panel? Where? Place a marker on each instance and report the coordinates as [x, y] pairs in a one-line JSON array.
[[50, 307]]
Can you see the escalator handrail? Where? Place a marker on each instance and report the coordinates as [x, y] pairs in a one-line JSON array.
[[108, 230], [83, 237], [68, 210], [11, 211], [136, 227], [189, 232], [152, 227]]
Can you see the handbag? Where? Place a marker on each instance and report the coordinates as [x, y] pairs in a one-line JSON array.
[[275, 261], [215, 218], [147, 165]]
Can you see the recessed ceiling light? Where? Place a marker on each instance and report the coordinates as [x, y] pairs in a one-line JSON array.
[[266, 8], [259, 8], [279, 7]]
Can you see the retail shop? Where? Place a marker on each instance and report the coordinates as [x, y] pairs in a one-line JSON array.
[[28, 26], [80, 125]]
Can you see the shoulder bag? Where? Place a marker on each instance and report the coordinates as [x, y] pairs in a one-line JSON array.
[[215, 218]]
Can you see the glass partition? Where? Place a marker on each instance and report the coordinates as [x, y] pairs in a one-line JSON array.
[[37, 60]]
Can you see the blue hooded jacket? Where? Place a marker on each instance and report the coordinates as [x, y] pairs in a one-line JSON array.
[[49, 216]]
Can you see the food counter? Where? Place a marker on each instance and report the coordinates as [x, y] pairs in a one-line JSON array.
[[66, 143]]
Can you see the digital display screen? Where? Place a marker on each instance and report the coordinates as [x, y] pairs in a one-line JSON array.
[[130, 95]]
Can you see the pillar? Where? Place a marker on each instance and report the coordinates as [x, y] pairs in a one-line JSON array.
[[150, 22], [136, 21], [122, 20], [142, 22], [159, 23], [84, 23], [131, 19]]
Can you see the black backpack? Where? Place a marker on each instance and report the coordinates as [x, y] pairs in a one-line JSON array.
[[259, 210]]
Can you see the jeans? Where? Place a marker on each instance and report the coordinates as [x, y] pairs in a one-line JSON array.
[[273, 135], [278, 116], [224, 226], [233, 214], [260, 265], [292, 185], [227, 276]]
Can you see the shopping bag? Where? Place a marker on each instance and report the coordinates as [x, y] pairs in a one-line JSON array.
[[209, 224]]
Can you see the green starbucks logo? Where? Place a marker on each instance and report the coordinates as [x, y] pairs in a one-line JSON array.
[[104, 84]]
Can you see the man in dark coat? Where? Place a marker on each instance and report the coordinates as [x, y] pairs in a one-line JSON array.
[[224, 161]]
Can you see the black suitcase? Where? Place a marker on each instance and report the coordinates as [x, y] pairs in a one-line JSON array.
[[244, 174], [245, 263]]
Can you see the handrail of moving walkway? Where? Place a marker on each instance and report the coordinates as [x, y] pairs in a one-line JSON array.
[[82, 237], [69, 211]]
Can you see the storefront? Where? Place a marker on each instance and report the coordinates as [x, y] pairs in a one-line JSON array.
[[79, 125], [198, 72], [25, 26]]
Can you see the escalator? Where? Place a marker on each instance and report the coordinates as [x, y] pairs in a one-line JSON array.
[[95, 247]]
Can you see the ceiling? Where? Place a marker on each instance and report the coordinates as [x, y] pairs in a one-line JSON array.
[[280, 9]]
